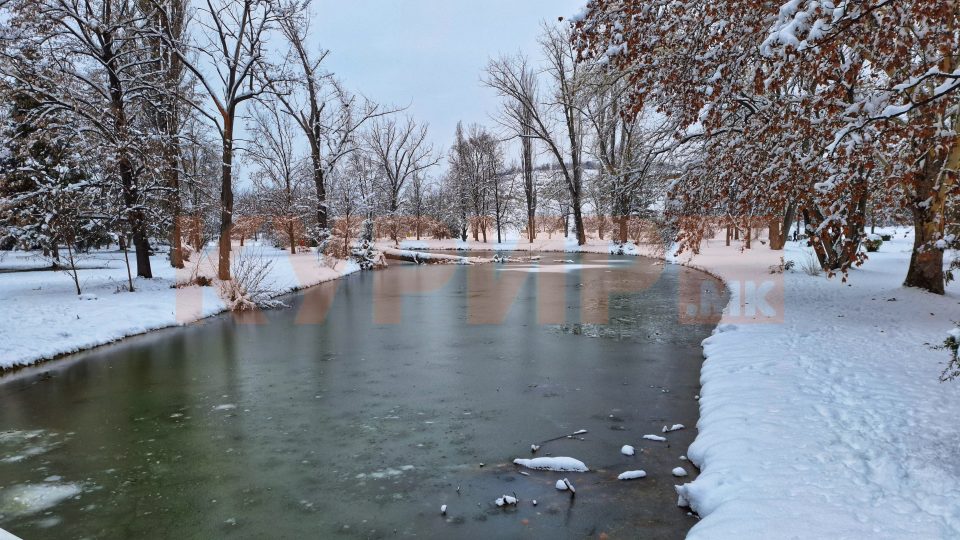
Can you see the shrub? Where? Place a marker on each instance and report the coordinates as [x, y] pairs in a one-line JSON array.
[[873, 243], [951, 344], [810, 264], [250, 287]]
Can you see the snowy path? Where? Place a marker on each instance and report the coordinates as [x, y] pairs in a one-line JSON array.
[[832, 424]]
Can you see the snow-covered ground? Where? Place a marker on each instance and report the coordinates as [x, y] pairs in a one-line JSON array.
[[43, 317], [832, 424], [826, 418]]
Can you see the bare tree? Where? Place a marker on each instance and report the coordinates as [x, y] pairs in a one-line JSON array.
[[631, 147], [503, 193], [417, 196], [165, 104], [401, 151], [458, 181], [228, 63], [535, 114], [528, 86], [329, 116], [278, 177], [518, 116]]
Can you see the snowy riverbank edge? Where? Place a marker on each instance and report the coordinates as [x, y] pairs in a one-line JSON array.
[[831, 423], [44, 319]]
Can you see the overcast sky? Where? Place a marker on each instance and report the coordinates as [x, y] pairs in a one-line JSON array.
[[429, 54]]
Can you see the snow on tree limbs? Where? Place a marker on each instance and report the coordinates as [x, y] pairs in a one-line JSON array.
[[832, 109]]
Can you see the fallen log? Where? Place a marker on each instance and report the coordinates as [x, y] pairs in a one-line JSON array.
[[419, 257]]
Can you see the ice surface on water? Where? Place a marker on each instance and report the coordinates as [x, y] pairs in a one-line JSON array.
[[25, 499], [385, 473], [554, 268], [18, 445]]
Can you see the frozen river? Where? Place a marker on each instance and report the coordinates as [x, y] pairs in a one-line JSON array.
[[366, 405]]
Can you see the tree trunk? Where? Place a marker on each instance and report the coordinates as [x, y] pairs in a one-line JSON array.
[[226, 200], [125, 169], [73, 269], [322, 219], [926, 261], [293, 238], [529, 188], [782, 227], [928, 207], [624, 228], [141, 244], [173, 182], [578, 220]]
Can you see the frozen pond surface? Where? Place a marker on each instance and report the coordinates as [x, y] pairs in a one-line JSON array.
[[366, 406]]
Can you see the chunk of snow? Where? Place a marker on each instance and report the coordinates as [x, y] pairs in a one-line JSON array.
[[672, 428], [632, 475], [225, 407], [627, 450], [506, 500], [534, 447], [654, 438], [561, 485], [559, 464], [679, 472], [443, 509]]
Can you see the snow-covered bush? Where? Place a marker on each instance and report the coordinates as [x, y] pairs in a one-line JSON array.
[[873, 243], [249, 289], [952, 344], [782, 267], [364, 252]]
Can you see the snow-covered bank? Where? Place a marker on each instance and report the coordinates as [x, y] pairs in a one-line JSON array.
[[833, 423], [43, 317], [827, 419]]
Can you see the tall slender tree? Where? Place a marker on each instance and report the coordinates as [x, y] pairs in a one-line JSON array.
[[228, 62]]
